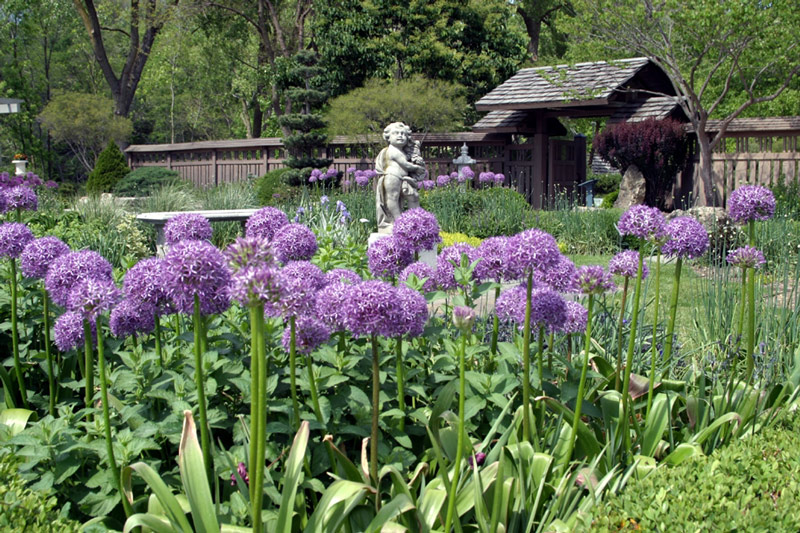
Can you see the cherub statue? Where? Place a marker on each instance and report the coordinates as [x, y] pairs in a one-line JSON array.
[[399, 166]]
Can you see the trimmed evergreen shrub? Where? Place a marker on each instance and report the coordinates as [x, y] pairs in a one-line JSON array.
[[270, 184], [143, 181], [110, 168], [609, 199]]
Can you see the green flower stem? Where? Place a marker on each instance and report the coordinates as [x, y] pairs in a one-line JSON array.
[[205, 441], [540, 369], [495, 327], [526, 363], [451, 503], [637, 291], [257, 419], [581, 385], [51, 376], [88, 375], [376, 398], [401, 374], [751, 323], [550, 352], [740, 325], [159, 351], [673, 310], [293, 371], [15, 335], [654, 344], [112, 461], [617, 377], [312, 384]]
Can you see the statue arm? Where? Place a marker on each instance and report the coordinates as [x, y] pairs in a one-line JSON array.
[[400, 158]]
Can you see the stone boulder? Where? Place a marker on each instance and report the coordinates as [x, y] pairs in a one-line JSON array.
[[631, 188]]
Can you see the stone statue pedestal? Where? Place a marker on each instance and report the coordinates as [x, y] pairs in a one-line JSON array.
[[426, 256]]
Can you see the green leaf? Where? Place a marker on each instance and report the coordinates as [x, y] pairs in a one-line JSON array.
[[683, 452], [16, 419], [701, 437], [194, 478], [292, 477], [159, 525], [400, 504], [338, 493], [656, 424]]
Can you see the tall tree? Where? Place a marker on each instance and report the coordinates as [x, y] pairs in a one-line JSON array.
[[723, 58], [145, 20], [540, 14]]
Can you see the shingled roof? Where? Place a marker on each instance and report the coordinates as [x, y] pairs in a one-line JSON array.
[[580, 84], [521, 121], [657, 107]]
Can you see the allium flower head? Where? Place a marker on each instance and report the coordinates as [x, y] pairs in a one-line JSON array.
[[341, 275], [295, 242], [21, 197], [68, 269], [329, 304], [560, 277], [265, 223], [466, 174], [68, 331], [373, 309], [687, 238], [187, 226], [388, 256], [423, 272], [577, 317], [257, 284], [548, 308], [249, 252], [592, 279], [197, 268], [413, 312], [442, 180], [92, 296], [297, 283], [643, 222], [746, 257], [131, 317], [499, 179], [751, 202], [464, 317], [448, 259], [13, 239], [428, 184], [38, 254], [532, 249], [418, 228], [310, 333], [627, 264], [146, 281], [492, 266], [362, 178]]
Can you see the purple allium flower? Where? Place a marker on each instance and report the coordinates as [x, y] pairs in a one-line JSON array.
[[257, 284], [746, 257], [592, 279], [68, 331], [242, 469], [197, 268], [249, 252], [187, 226], [686, 238], [627, 264], [499, 179], [265, 223], [362, 178], [297, 283], [428, 184], [467, 174], [330, 302], [130, 317], [453, 175], [21, 197], [372, 309], [492, 264], [463, 317], [532, 249], [350, 170], [751, 202], [13, 239], [346, 184], [418, 228], [313, 178], [68, 269], [486, 177], [38, 254], [341, 275], [480, 458], [295, 242], [548, 308], [447, 261], [442, 180], [310, 333], [91, 296], [643, 222], [413, 312], [50, 184], [560, 277], [146, 281], [331, 173], [577, 317], [388, 256], [422, 271]]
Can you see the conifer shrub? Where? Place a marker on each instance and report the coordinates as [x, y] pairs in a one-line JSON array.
[[145, 180], [111, 167], [269, 185]]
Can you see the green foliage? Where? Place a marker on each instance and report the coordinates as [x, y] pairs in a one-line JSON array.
[[787, 198], [269, 185], [237, 195], [111, 167], [449, 239], [26, 510], [482, 213], [609, 199], [423, 104], [606, 183], [85, 123], [144, 180], [750, 485], [579, 231]]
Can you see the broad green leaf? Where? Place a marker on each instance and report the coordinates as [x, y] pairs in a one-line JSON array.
[[159, 525], [656, 424], [168, 501], [292, 477], [683, 452], [701, 437], [195, 481], [591, 446], [16, 419], [400, 504], [430, 504]]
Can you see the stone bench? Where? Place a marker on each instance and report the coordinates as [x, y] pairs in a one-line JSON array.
[[158, 219]]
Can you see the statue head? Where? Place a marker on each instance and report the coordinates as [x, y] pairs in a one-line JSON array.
[[397, 133]]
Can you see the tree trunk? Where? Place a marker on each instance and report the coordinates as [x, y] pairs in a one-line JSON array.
[[705, 190], [533, 26]]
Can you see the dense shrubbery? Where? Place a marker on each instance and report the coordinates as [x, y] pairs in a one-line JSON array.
[[479, 212], [110, 169], [144, 180], [270, 189]]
